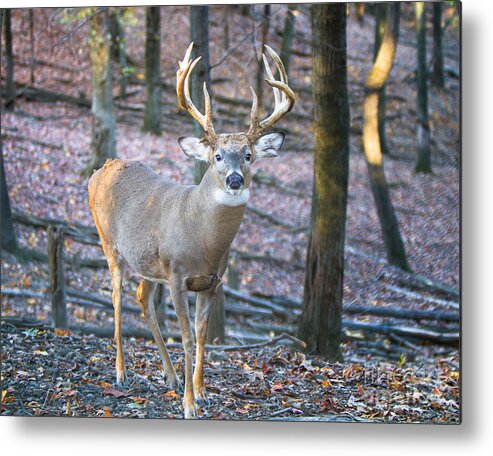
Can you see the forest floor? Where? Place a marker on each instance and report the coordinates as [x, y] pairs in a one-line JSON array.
[[383, 377], [56, 373]]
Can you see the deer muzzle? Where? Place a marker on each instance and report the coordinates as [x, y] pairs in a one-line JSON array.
[[234, 181]]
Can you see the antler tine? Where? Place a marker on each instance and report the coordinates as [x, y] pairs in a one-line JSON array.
[[186, 59], [185, 69], [284, 97], [280, 65], [270, 77], [253, 114], [208, 110]]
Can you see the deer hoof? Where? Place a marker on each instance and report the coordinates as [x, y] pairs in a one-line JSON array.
[[190, 410], [121, 378], [175, 384], [201, 396]]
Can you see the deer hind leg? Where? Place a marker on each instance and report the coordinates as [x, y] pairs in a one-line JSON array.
[[180, 302], [116, 269], [205, 303], [145, 296], [116, 266]]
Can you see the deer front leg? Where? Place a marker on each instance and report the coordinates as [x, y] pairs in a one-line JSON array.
[[205, 302], [145, 296], [179, 297]]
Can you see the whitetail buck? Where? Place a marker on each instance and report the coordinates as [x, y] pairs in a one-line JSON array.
[[182, 234]]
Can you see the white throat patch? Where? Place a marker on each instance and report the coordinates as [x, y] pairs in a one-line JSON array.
[[229, 199]]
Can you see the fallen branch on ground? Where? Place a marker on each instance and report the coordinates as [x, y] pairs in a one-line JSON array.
[[48, 96], [391, 312], [417, 281], [418, 333], [276, 310], [407, 277], [413, 294], [272, 219], [391, 330], [33, 141], [405, 314], [126, 332], [245, 256], [272, 341], [271, 181]]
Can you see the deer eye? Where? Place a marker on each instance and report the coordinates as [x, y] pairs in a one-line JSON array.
[[218, 157], [248, 157]]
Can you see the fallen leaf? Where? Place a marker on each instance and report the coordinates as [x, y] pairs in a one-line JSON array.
[[110, 391]]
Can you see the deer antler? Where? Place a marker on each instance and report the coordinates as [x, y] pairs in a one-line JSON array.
[[283, 98], [183, 92]]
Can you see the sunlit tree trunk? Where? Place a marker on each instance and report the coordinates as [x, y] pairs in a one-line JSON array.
[[320, 324], [199, 34], [152, 117], [360, 13], [375, 82], [380, 18], [423, 162], [438, 77], [288, 35], [9, 61], [260, 64], [103, 143]]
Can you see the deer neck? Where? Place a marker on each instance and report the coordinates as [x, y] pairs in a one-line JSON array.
[[221, 213]]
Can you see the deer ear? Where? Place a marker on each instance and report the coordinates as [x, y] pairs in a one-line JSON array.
[[195, 148], [268, 145]]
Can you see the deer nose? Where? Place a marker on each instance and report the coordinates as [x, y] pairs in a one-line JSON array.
[[234, 181]]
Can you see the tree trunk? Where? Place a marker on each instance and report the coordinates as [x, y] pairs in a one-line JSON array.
[[226, 26], [438, 77], [260, 63], [9, 240], [381, 11], [9, 61], [360, 13], [375, 82], [103, 142], [288, 35], [57, 276], [114, 28], [423, 163], [199, 34], [32, 62], [216, 330], [118, 52], [152, 118], [320, 325]]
